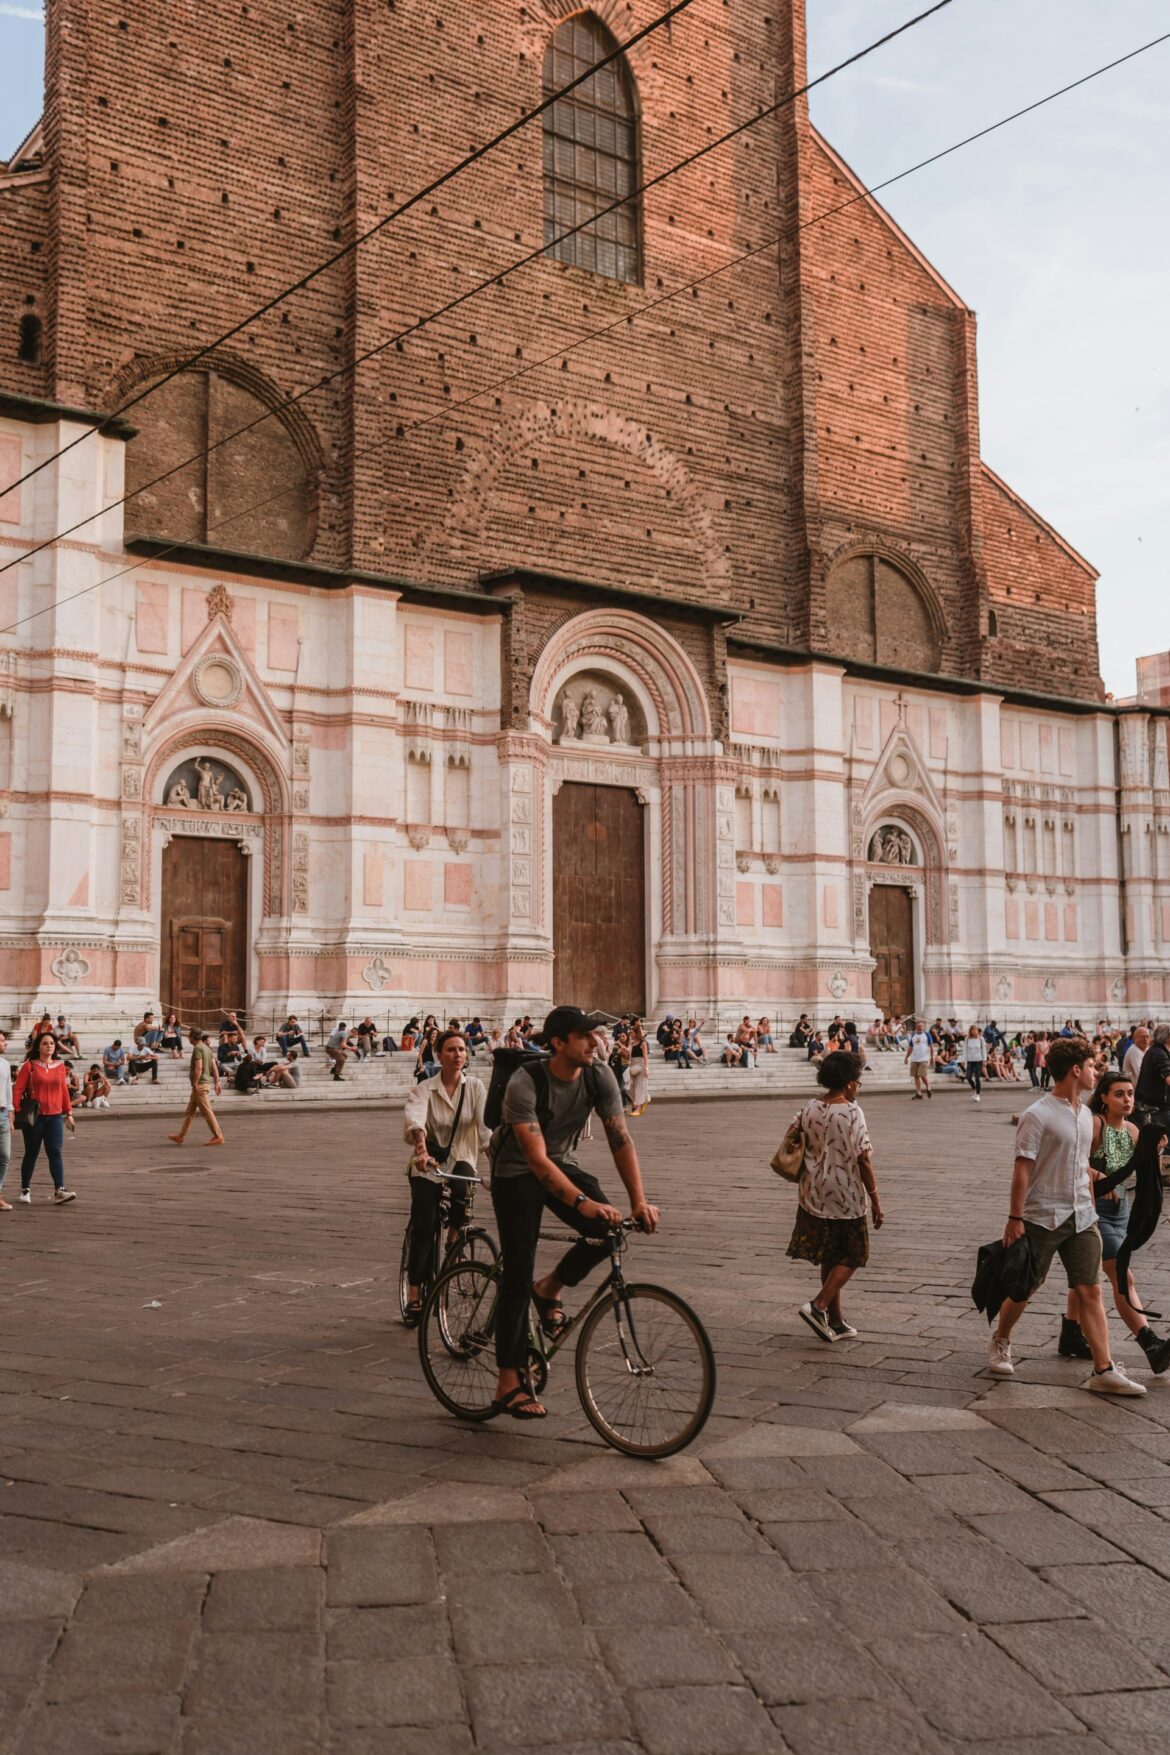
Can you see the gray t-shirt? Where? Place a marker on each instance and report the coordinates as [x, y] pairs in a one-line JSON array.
[[570, 1107]]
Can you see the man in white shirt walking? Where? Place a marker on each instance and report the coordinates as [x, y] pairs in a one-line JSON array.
[[920, 1056], [1052, 1205], [7, 1119], [1131, 1066]]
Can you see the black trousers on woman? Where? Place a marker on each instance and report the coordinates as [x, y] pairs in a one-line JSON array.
[[519, 1203], [424, 1218]]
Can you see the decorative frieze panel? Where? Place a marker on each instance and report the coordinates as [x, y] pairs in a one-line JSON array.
[[300, 872], [131, 868]]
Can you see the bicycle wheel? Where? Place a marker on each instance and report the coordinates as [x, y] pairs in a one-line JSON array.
[[456, 1339], [645, 1371], [404, 1276], [480, 1246]]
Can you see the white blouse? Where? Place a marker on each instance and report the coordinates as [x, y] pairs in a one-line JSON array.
[[835, 1138], [428, 1106]]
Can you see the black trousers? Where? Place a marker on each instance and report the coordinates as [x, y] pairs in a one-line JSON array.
[[975, 1075], [519, 1203], [424, 1219]]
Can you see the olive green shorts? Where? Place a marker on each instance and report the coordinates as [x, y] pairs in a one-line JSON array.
[[1079, 1251]]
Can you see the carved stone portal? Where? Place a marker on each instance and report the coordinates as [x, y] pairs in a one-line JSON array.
[[891, 845]]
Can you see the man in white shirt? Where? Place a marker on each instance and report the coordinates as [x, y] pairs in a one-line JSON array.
[[7, 1119], [1052, 1205], [1131, 1066], [920, 1056]]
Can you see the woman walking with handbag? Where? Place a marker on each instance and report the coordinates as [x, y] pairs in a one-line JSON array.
[[836, 1186], [44, 1110]]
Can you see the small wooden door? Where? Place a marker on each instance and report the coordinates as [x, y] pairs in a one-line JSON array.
[[204, 928], [599, 899], [891, 943]]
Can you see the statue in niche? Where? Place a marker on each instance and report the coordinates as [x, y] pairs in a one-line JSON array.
[[570, 718], [592, 718], [237, 799], [619, 719], [179, 798], [210, 796], [891, 847]]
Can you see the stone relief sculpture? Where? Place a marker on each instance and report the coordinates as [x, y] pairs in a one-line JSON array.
[[592, 718], [890, 846], [595, 717], [200, 785]]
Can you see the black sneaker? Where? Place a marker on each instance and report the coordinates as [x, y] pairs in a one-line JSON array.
[[843, 1331], [818, 1321], [1072, 1343], [1156, 1350]]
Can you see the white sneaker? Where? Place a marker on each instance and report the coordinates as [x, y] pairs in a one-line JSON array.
[[975, 1098], [999, 1358], [25, 1197], [1113, 1381], [62, 1195]]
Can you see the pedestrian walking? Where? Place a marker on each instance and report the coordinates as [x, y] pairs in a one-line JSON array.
[[204, 1073], [974, 1054], [42, 1099], [835, 1191], [639, 1069], [1052, 1206], [7, 1119], [920, 1059]]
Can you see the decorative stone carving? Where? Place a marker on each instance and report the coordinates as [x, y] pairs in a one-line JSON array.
[[618, 715], [1048, 991], [892, 846], [300, 872], [459, 840], [837, 984], [1117, 990], [219, 602], [218, 680], [376, 974], [131, 781], [224, 827], [1003, 988], [772, 863], [132, 739], [131, 867], [590, 709], [200, 785], [70, 967], [301, 757], [743, 862], [419, 836], [900, 769]]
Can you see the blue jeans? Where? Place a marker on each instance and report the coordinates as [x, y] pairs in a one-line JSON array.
[[288, 1041], [5, 1146], [49, 1131]]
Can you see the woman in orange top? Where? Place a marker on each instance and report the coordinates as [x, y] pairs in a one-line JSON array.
[[44, 1078]]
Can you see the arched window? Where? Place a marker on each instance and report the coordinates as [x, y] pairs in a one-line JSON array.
[[590, 152]]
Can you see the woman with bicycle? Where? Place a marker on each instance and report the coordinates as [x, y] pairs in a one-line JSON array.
[[444, 1123]]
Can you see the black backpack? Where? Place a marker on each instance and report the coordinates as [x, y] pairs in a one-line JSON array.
[[506, 1061]]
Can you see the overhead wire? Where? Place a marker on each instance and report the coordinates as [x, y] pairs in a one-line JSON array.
[[355, 244], [628, 318], [761, 115]]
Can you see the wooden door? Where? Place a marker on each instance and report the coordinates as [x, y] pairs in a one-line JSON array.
[[599, 899], [891, 943], [204, 929]]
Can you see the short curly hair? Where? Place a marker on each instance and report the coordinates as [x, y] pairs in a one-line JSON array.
[[839, 1069]]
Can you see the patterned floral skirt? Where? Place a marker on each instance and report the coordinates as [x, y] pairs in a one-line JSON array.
[[829, 1242]]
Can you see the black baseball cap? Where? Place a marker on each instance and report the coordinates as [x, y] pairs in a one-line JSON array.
[[567, 1020]]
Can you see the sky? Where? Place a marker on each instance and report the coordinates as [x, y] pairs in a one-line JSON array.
[[1054, 231]]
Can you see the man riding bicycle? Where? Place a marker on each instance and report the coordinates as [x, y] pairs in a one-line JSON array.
[[546, 1108], [443, 1121]]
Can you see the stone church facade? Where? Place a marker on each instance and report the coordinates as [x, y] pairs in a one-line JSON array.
[[699, 665]]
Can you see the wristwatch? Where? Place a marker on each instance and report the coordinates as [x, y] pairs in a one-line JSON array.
[[578, 1200]]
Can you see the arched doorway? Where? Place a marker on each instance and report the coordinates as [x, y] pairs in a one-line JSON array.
[[891, 945], [206, 878], [599, 898]]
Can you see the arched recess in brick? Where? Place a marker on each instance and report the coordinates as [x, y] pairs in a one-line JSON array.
[[256, 494], [881, 608], [536, 495]]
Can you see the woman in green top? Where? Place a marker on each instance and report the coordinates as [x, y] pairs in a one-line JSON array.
[[1114, 1139]]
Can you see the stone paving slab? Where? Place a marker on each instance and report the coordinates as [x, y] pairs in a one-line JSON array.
[[235, 1520]]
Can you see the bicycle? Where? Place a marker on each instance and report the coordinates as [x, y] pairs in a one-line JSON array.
[[646, 1385], [470, 1242]]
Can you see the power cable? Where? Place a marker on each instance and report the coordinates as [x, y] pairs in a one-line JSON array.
[[627, 319], [271, 304], [482, 285]]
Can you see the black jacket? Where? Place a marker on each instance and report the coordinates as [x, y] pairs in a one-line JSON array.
[[1003, 1273]]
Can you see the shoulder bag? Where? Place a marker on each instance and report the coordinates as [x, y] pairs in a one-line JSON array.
[[788, 1159]]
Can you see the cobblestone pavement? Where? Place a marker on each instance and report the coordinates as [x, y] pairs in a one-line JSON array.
[[236, 1522]]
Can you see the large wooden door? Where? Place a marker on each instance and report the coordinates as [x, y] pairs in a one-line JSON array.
[[599, 899], [891, 943], [204, 928]]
